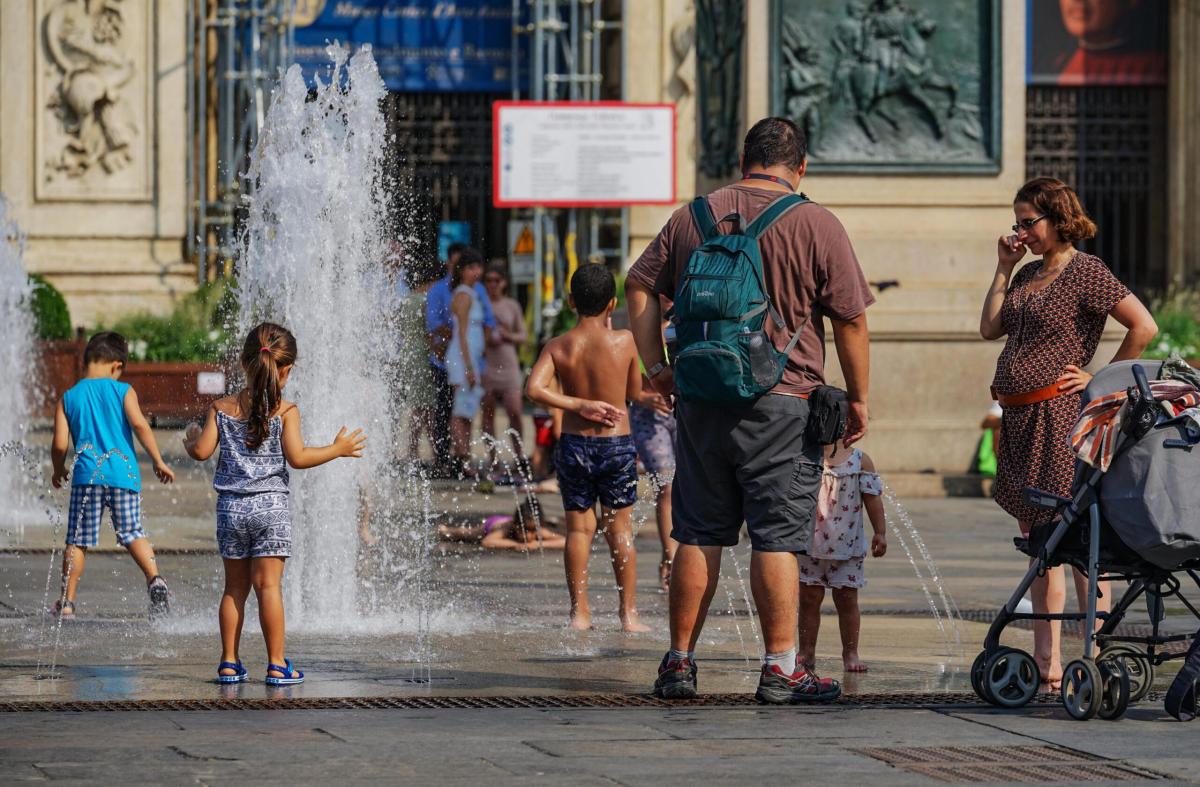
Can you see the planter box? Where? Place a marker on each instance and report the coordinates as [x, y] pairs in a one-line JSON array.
[[166, 390]]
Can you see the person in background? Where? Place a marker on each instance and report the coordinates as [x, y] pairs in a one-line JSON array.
[[502, 379], [437, 324], [465, 357]]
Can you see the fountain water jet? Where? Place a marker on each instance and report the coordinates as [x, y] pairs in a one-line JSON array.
[[312, 258], [16, 355]]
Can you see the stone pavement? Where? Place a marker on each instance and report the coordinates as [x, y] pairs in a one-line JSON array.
[[682, 746], [491, 625]]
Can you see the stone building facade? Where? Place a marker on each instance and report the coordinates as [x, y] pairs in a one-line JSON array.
[[92, 148], [934, 234]]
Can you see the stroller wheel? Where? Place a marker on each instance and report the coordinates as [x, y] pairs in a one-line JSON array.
[[977, 676], [1011, 678], [1082, 689], [1137, 664], [1115, 699]]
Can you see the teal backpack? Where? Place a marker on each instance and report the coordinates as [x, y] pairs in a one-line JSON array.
[[723, 355]]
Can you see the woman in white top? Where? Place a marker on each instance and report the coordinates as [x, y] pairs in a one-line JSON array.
[[464, 357]]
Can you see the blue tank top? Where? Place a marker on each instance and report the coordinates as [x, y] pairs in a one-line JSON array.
[[241, 471], [95, 410]]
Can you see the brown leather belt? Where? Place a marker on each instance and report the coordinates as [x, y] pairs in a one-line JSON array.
[[1028, 397]]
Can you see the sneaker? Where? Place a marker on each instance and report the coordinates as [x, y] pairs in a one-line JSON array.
[[159, 597], [676, 679], [775, 688]]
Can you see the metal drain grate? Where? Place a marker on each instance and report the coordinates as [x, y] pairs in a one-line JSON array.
[[1004, 763]]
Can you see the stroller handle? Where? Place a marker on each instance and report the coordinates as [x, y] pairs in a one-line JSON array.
[[1139, 377]]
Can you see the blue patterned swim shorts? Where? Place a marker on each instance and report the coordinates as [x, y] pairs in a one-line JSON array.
[[591, 468], [88, 502], [257, 525]]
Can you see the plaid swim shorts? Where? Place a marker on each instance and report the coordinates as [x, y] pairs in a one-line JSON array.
[[88, 502]]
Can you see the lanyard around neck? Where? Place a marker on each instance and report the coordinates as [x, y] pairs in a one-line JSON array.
[[773, 178]]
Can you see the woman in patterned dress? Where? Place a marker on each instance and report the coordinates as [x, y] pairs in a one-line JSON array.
[[1052, 312]]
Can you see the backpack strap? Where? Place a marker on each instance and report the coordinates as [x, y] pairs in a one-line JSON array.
[[774, 212], [702, 215]]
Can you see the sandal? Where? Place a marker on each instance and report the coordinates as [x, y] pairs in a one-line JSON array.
[[290, 676], [64, 610], [239, 672]]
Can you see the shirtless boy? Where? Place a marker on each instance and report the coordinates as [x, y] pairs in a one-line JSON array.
[[597, 372]]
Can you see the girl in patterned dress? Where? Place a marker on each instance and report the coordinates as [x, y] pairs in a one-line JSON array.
[[259, 436], [1052, 313], [835, 559]]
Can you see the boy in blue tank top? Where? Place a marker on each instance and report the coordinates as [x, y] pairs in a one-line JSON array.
[[100, 415]]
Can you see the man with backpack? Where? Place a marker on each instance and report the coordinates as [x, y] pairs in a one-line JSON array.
[[751, 270]]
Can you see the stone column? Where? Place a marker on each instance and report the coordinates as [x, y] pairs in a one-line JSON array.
[[1183, 142], [92, 148]]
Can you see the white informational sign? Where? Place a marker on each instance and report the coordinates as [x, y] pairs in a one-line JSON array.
[[210, 383], [582, 154], [521, 267]]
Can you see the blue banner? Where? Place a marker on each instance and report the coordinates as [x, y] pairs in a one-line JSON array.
[[420, 45]]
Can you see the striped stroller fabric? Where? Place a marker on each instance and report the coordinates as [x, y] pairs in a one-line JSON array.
[[1095, 433]]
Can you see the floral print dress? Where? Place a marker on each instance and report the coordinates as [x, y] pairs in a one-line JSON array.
[[1047, 329], [839, 546]]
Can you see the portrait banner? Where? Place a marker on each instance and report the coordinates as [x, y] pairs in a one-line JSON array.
[[1097, 42], [891, 85]]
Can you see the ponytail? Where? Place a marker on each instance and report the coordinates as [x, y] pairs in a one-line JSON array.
[[269, 349]]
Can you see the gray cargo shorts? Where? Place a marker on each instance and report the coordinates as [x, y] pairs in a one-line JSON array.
[[745, 463]]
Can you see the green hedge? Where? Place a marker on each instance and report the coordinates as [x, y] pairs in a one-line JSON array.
[[193, 331], [1178, 316], [51, 317]]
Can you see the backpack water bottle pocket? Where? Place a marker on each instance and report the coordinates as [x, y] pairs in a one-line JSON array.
[[766, 365], [710, 372]]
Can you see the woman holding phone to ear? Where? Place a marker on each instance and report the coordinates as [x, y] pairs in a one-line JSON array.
[[1051, 313]]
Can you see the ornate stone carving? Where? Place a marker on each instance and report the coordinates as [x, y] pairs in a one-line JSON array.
[[93, 97], [720, 29], [889, 82]]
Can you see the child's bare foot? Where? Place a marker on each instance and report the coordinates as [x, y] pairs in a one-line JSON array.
[[851, 663], [580, 621], [630, 622]]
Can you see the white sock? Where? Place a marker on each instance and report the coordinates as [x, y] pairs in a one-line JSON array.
[[679, 655], [786, 661]]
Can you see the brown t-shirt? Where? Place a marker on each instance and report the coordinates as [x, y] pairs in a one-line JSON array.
[[808, 263]]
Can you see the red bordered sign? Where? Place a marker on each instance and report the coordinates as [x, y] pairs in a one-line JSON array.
[[582, 154]]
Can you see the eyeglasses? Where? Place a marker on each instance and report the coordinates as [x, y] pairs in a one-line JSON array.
[[1027, 224]]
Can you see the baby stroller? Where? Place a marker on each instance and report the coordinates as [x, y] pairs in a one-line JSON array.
[[1132, 523]]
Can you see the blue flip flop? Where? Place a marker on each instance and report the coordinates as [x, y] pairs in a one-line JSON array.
[[239, 675], [290, 676]]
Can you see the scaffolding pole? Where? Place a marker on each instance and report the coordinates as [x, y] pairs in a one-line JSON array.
[[566, 63], [236, 50]]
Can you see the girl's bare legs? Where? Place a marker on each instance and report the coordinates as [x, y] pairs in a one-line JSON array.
[[460, 435], [512, 405], [266, 574], [581, 529], [811, 597], [488, 424], [74, 558], [662, 514], [849, 623], [618, 531], [233, 609]]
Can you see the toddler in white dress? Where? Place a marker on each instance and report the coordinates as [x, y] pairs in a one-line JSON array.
[[839, 548]]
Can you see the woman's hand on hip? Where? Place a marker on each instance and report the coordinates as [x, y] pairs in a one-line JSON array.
[[1009, 251], [1073, 380]]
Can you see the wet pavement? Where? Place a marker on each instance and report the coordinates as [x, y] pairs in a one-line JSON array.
[[492, 625]]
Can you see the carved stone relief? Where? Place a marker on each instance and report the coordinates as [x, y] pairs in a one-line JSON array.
[[93, 118], [890, 83]]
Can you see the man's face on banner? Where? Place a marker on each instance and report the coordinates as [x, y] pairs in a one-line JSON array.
[[1094, 21]]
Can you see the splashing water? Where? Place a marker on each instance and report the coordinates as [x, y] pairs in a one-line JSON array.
[[946, 616], [16, 356], [313, 259]]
